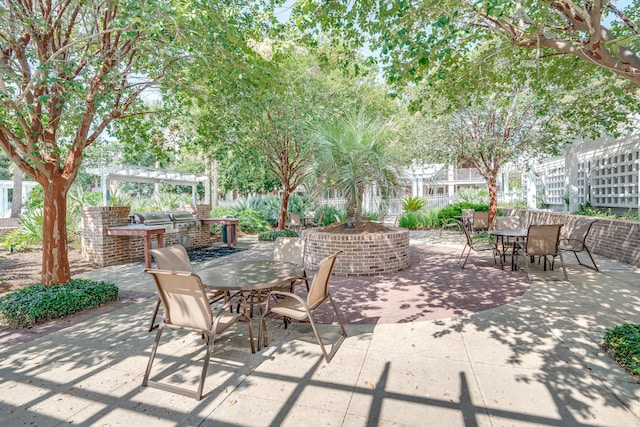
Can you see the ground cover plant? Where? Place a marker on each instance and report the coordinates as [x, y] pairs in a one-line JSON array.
[[37, 304], [623, 344], [274, 234]]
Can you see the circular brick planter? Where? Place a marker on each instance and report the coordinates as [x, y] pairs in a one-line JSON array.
[[369, 254]]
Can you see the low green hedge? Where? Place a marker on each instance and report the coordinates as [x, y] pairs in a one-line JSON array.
[[623, 343], [37, 304], [274, 234]]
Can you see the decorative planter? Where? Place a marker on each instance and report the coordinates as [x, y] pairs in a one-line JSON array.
[[366, 254]]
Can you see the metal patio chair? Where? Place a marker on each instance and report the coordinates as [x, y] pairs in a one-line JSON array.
[[292, 306], [480, 221], [176, 258], [294, 222], [479, 245], [542, 241], [291, 249], [187, 307], [575, 241]]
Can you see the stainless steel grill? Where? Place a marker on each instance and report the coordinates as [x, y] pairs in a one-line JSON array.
[[182, 220], [173, 221], [152, 218]]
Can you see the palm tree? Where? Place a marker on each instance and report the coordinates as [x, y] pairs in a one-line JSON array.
[[354, 152]]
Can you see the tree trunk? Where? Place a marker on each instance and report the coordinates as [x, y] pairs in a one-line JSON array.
[[214, 184], [283, 209], [207, 183], [354, 207], [16, 201], [55, 251], [493, 199]]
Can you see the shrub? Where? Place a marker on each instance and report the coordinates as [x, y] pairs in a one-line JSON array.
[[587, 210], [274, 234], [455, 209], [329, 217], [623, 343], [413, 204], [250, 221], [38, 304], [371, 215], [28, 235], [220, 211], [475, 196], [419, 220], [520, 204]]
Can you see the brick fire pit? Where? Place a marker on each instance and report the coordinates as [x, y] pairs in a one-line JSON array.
[[367, 254]]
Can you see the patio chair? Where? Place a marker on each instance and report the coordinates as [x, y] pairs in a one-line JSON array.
[[575, 241], [292, 306], [295, 222], [291, 249], [542, 241], [449, 224], [479, 245], [187, 307], [175, 258], [467, 217], [480, 221]]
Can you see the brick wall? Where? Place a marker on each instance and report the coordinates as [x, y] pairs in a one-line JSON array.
[[105, 250], [612, 238], [97, 247], [363, 254]]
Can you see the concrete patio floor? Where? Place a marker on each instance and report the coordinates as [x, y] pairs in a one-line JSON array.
[[534, 361]]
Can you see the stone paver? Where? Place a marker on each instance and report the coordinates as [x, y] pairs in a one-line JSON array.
[[533, 361]]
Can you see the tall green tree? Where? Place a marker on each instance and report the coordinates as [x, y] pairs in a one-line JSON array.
[[488, 132], [412, 36], [67, 70], [355, 152], [589, 48]]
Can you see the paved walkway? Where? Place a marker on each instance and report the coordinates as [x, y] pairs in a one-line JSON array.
[[535, 360]]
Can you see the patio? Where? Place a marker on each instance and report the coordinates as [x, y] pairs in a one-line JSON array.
[[435, 345]]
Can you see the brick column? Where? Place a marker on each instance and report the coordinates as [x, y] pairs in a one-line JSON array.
[[201, 237], [97, 247]]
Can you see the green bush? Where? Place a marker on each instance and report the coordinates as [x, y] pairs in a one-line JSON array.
[[329, 217], [419, 220], [371, 215], [251, 222], [475, 196], [455, 209], [28, 235], [587, 210], [274, 234], [269, 206], [38, 304], [220, 211], [520, 204], [623, 343], [413, 204]]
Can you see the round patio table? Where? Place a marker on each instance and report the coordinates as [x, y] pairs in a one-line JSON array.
[[251, 276], [516, 234]]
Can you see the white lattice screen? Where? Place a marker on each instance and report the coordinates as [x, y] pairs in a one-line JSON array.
[[614, 180]]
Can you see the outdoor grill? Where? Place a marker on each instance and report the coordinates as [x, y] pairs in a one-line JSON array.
[[173, 221], [182, 220]]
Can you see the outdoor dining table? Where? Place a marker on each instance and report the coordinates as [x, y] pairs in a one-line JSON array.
[[516, 234], [251, 276]]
